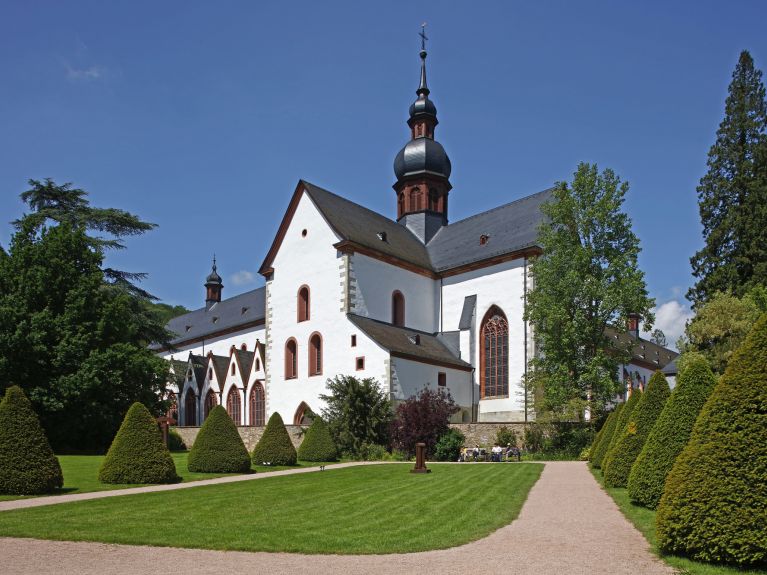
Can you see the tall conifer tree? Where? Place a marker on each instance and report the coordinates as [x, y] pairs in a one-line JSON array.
[[732, 196]]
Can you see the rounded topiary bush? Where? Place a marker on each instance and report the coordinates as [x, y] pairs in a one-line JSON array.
[[623, 421], [137, 453], [27, 463], [714, 503], [318, 444], [598, 451], [671, 432], [275, 446], [630, 443], [218, 447]]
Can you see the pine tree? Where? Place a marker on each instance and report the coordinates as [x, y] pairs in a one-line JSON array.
[[671, 432], [732, 196], [714, 501], [631, 442], [27, 463]]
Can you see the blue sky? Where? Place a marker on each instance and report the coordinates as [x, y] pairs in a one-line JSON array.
[[201, 116]]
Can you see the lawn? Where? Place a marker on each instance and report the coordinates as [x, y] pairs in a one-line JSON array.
[[81, 473], [365, 509], [644, 520]]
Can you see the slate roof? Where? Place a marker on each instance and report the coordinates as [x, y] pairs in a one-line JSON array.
[[670, 369], [398, 340], [469, 303], [198, 366], [179, 372], [220, 367], [237, 310], [245, 361], [511, 227], [645, 350]]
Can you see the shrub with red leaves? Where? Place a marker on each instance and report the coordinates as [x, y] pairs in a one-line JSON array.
[[424, 417]]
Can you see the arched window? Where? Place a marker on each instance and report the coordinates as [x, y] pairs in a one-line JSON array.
[[291, 359], [401, 204], [258, 364], [244, 347], [415, 199], [494, 354], [210, 373], [190, 408], [315, 354], [233, 405], [303, 303], [232, 369], [301, 416], [210, 402], [257, 405], [398, 308]]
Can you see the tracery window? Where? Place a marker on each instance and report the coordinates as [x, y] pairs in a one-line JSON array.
[[257, 405], [233, 405], [494, 360]]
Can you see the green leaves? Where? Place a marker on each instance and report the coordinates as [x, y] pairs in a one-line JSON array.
[[586, 280]]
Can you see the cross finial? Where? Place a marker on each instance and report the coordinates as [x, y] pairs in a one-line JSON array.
[[422, 34], [214, 262]]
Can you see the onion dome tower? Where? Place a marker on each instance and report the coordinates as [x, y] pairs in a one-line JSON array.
[[213, 287], [422, 167]]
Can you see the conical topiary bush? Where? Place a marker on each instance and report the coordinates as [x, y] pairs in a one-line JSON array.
[[630, 443], [275, 446], [597, 453], [318, 443], [714, 505], [623, 421], [671, 432], [600, 434], [27, 463], [218, 447], [137, 453]]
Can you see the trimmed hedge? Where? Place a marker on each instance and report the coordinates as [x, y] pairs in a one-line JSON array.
[[137, 453], [318, 444], [713, 506], [671, 432], [27, 463], [598, 452], [630, 443], [275, 446], [218, 447]]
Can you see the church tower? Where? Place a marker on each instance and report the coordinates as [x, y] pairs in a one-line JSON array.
[[213, 287], [422, 167]]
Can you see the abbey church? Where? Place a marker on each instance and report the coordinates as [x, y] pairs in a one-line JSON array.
[[410, 302]]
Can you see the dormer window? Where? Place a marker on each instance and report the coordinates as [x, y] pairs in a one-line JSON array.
[[187, 327], [381, 236], [215, 319], [415, 339], [244, 310], [483, 239]]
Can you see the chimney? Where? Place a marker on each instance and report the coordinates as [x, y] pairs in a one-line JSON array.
[[632, 325]]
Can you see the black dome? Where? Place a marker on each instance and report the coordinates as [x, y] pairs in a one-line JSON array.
[[423, 106], [422, 155]]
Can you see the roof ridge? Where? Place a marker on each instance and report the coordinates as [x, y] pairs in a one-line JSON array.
[[386, 323], [347, 200], [507, 204]]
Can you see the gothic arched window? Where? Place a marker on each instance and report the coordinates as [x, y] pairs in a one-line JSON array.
[[315, 354], [257, 405], [233, 405], [210, 402], [291, 362], [398, 309], [415, 199], [190, 408], [494, 354], [303, 303]]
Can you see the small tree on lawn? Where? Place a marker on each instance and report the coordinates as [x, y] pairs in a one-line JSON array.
[[27, 463], [358, 412], [138, 453], [714, 501], [424, 417], [275, 446], [642, 420], [218, 447], [597, 453], [671, 432], [318, 443]]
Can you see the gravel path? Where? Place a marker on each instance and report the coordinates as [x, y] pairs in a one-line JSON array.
[[568, 525]]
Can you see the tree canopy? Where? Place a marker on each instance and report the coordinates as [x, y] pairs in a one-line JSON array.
[[586, 280], [732, 196]]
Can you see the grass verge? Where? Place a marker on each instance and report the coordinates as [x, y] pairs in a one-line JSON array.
[[367, 509], [81, 473], [644, 520]]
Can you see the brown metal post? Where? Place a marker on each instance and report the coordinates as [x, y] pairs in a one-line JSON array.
[[420, 459]]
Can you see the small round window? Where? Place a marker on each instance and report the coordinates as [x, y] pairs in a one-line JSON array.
[[303, 233]]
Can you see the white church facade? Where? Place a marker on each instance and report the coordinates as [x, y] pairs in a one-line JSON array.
[[411, 302]]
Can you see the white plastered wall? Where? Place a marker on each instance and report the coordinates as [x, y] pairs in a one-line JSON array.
[[409, 377]]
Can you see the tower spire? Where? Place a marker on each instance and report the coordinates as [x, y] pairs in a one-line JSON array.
[[213, 286], [423, 89]]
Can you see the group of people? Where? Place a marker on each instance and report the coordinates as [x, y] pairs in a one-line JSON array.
[[497, 453]]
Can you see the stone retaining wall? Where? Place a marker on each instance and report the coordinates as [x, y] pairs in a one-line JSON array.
[[250, 435], [483, 434]]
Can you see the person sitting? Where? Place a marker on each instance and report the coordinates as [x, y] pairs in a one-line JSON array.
[[475, 452], [509, 452], [496, 453]]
